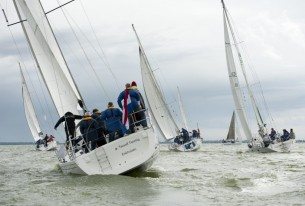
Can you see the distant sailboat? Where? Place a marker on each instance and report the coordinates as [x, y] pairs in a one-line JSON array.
[[136, 151], [261, 142], [157, 105], [33, 121], [231, 136]]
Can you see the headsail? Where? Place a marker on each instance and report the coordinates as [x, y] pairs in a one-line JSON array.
[[234, 82], [29, 110], [231, 132], [183, 116], [241, 62], [48, 56], [156, 102]]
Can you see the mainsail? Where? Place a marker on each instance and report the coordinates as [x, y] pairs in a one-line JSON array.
[[183, 116], [156, 102], [48, 56], [29, 110], [234, 82], [231, 132]]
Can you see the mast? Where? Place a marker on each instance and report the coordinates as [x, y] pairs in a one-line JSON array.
[[48, 56], [183, 116], [241, 62], [234, 82], [156, 102]]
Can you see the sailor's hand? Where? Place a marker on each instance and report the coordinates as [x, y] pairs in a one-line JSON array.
[[55, 128]]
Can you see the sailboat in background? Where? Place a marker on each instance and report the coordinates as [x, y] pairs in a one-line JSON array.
[[158, 107], [260, 142], [41, 142], [136, 151], [195, 139], [232, 138]]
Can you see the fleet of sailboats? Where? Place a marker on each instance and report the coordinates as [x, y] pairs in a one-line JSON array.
[[136, 151]]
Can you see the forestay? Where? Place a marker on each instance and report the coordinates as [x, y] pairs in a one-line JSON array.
[[156, 102], [48, 56], [29, 110], [234, 82]]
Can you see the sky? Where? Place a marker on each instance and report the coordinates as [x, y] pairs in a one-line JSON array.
[[184, 42]]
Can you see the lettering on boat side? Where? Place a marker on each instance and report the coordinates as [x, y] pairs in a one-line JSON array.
[[129, 142], [129, 151]]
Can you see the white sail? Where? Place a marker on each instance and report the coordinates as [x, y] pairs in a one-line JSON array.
[[48, 56], [258, 117], [156, 103], [183, 116], [29, 110], [234, 82]]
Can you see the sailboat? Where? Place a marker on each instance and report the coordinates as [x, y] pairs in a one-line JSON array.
[[32, 120], [158, 107], [136, 151], [231, 136], [260, 142]]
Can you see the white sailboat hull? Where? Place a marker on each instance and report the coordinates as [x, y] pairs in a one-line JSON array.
[[276, 146], [190, 146], [133, 152], [51, 146], [283, 146]]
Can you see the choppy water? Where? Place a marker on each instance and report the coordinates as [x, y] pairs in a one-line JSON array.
[[215, 175]]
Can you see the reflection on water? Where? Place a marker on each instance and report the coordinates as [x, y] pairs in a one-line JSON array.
[[217, 175]]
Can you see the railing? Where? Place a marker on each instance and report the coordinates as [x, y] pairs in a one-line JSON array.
[[82, 144]]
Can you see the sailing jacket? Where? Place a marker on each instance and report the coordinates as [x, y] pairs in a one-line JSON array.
[[89, 128], [133, 99], [69, 120], [113, 120]]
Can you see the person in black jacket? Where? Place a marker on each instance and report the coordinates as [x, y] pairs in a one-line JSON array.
[[101, 127], [69, 120]]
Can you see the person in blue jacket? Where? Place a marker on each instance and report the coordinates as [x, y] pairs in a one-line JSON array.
[[89, 129], [113, 121], [140, 116], [130, 105], [285, 135], [272, 134]]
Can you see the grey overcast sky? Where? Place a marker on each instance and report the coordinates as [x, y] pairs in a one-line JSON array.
[[184, 43]]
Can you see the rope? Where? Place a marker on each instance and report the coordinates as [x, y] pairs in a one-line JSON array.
[[83, 50], [103, 57]]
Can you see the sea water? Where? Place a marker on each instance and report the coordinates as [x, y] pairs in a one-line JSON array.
[[215, 175]]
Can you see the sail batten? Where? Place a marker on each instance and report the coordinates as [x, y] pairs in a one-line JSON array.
[[48, 56]]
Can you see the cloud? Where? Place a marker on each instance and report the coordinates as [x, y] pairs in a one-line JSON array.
[[184, 42]]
